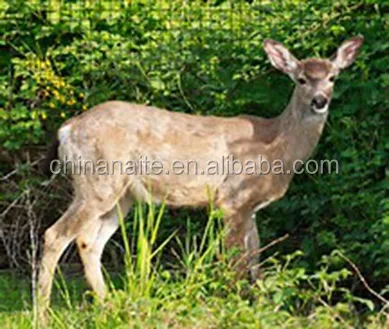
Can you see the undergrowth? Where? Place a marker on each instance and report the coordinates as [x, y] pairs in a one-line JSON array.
[[199, 289]]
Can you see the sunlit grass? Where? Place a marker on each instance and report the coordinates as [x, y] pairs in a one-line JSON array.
[[198, 290]]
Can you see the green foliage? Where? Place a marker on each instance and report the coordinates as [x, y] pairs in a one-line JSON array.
[[207, 58], [201, 292]]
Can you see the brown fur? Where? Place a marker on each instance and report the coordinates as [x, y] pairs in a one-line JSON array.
[[316, 68], [120, 131]]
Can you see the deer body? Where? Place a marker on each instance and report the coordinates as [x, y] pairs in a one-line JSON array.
[[121, 132], [183, 137]]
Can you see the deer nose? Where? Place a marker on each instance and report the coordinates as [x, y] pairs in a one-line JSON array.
[[319, 101]]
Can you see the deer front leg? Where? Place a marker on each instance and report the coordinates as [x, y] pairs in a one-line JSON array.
[[242, 235], [251, 241]]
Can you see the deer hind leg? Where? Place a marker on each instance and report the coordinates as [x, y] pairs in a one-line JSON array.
[[56, 239], [91, 243]]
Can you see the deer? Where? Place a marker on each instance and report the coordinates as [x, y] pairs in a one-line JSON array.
[[121, 131]]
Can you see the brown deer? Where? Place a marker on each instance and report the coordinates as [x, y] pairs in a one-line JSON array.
[[120, 132]]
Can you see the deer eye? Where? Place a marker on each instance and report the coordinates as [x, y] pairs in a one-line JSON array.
[[332, 78], [301, 81]]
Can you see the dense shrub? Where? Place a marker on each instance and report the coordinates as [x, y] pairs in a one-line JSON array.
[[207, 58]]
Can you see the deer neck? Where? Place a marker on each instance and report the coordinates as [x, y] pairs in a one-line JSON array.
[[300, 130]]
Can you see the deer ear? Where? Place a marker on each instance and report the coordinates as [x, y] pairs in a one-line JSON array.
[[347, 52], [280, 57]]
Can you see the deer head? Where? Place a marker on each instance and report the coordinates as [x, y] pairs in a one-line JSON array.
[[314, 76]]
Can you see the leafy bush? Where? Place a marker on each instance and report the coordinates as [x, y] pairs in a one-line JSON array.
[[207, 58]]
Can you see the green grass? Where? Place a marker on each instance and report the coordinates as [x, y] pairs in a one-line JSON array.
[[197, 290]]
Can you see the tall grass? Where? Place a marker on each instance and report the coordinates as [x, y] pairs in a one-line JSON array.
[[198, 289]]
